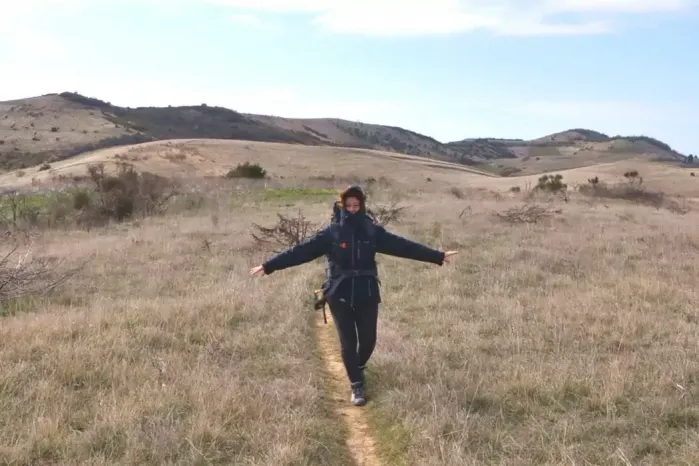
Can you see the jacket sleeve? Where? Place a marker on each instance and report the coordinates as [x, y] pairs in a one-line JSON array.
[[302, 253], [394, 245]]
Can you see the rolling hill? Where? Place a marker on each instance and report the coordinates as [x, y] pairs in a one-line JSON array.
[[58, 126], [564, 150]]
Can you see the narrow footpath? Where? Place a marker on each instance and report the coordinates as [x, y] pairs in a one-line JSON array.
[[360, 442]]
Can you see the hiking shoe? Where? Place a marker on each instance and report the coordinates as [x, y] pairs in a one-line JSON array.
[[358, 394]]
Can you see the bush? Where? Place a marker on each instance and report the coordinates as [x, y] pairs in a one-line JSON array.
[[126, 194], [81, 199], [247, 170], [120, 196], [551, 183], [628, 192]]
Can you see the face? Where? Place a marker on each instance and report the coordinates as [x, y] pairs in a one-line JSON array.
[[352, 205]]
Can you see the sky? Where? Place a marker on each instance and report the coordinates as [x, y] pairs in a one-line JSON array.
[[450, 69]]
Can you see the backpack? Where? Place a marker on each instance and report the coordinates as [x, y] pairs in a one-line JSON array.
[[319, 294]]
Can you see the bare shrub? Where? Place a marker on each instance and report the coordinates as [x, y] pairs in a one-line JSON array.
[[287, 232], [526, 214], [383, 214], [23, 274], [290, 231]]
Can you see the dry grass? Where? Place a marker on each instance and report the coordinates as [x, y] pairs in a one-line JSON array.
[[672, 180], [285, 163], [164, 351], [568, 341], [572, 341]]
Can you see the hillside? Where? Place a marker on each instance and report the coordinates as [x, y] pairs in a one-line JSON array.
[[564, 150], [53, 127], [335, 131], [213, 158], [58, 126]]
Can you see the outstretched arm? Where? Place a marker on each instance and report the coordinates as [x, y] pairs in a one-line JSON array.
[[394, 245], [302, 253]]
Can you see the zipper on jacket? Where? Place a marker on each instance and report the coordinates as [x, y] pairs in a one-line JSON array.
[[354, 244]]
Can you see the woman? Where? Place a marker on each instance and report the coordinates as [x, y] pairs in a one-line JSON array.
[[352, 289]]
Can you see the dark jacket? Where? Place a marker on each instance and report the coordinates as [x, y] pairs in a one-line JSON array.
[[354, 250]]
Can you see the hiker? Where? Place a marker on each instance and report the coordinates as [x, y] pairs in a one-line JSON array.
[[352, 288]]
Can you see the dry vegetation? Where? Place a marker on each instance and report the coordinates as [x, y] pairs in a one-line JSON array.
[[162, 351], [564, 333]]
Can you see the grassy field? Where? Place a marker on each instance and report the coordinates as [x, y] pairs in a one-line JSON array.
[[568, 342], [162, 351], [571, 340]]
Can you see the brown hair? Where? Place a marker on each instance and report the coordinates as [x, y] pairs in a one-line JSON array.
[[356, 192]]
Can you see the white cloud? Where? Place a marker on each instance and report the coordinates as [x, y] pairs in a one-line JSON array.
[[416, 17], [420, 17], [620, 6]]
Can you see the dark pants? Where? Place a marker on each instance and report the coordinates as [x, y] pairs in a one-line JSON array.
[[356, 327]]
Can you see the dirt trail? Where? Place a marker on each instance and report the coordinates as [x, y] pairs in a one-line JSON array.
[[360, 442]]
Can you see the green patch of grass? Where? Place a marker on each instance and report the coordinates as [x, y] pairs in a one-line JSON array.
[[392, 437], [38, 208], [296, 194], [24, 202]]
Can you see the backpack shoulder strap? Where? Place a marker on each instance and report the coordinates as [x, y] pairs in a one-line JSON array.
[[369, 226], [335, 231]]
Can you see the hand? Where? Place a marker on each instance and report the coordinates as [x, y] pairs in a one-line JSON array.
[[259, 270], [447, 256]]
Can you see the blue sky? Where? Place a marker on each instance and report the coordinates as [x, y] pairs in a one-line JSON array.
[[450, 69]]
